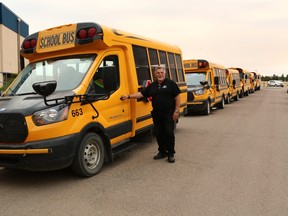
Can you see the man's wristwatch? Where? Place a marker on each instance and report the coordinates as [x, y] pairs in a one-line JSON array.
[[177, 111]]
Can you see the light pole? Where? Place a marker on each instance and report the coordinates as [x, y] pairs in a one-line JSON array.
[[18, 43]]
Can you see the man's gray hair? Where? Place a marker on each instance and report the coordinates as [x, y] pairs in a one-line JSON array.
[[159, 67]]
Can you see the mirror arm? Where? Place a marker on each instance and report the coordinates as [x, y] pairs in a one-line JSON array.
[[97, 113]]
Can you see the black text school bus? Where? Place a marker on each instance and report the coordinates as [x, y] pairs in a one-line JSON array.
[[207, 85], [245, 81], [64, 108], [234, 82]]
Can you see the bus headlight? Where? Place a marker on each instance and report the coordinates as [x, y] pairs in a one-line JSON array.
[[199, 92], [51, 115]]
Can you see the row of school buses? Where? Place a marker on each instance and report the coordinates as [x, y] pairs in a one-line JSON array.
[[64, 108], [210, 85]]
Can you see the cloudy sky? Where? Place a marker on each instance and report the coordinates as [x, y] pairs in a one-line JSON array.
[[251, 34]]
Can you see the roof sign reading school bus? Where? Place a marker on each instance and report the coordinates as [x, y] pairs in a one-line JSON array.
[[193, 64], [61, 37]]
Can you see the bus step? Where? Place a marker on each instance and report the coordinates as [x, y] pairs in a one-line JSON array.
[[119, 149]]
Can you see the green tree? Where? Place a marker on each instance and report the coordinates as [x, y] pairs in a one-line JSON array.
[[275, 77]]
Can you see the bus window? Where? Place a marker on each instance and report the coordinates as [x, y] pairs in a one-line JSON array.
[[62, 70], [180, 68], [194, 79], [209, 79], [96, 86], [141, 63], [153, 56], [172, 67], [163, 61]]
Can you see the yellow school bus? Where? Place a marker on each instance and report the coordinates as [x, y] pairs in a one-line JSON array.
[[234, 82], [245, 81], [207, 85], [255, 81], [64, 108]]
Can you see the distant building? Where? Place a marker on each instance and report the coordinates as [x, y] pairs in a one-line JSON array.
[[13, 30]]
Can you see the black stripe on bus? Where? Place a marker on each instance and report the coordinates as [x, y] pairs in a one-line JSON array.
[[143, 118], [119, 129]]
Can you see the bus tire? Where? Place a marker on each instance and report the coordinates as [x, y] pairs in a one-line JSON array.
[[228, 100], [242, 94], [207, 109], [237, 96], [222, 103], [90, 156]]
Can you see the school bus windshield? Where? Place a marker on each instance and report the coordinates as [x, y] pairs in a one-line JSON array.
[[194, 79], [67, 71]]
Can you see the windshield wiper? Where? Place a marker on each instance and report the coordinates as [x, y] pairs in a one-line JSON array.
[[28, 93]]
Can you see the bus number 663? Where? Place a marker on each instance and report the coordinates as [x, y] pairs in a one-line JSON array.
[[77, 112]]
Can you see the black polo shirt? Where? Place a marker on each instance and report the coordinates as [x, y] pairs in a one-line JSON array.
[[163, 97]]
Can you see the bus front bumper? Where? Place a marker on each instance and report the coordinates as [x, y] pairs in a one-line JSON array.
[[197, 106], [41, 155]]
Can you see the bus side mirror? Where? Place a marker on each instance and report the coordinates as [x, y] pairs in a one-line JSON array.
[[110, 78], [205, 84], [45, 88], [234, 84]]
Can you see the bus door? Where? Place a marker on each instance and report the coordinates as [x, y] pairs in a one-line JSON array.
[[142, 107], [216, 87], [211, 90], [114, 115]]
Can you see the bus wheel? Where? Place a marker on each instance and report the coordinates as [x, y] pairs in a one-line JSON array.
[[207, 109], [237, 96], [90, 156], [241, 94], [228, 100], [222, 103]]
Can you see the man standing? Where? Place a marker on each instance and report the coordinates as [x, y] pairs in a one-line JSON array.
[[166, 110]]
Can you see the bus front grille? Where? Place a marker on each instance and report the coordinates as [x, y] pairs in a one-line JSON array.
[[13, 128]]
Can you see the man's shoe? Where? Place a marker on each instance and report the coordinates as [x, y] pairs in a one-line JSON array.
[[160, 156], [171, 159]]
